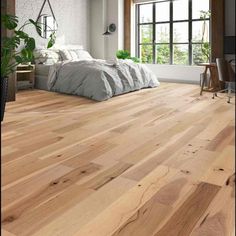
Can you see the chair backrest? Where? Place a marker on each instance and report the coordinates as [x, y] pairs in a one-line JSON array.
[[225, 71]]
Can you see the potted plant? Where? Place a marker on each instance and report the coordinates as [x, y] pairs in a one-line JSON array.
[[124, 54], [11, 55]]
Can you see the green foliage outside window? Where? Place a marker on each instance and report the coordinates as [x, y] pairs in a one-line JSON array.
[[200, 50], [146, 54], [205, 46], [180, 54], [162, 50], [163, 54]]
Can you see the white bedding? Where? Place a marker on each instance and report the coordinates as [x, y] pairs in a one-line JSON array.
[[98, 79], [74, 71]]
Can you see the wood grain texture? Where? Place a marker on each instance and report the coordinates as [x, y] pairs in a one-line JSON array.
[[217, 29], [185, 218], [127, 24], [219, 217], [145, 163]]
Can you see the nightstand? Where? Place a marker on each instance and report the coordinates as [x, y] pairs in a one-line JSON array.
[[25, 76]]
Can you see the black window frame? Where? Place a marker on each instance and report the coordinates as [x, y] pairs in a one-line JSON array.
[[190, 20]]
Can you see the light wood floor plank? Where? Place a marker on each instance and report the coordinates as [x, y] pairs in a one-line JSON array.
[[153, 162]]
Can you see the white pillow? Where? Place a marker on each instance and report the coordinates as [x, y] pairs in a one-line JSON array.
[[68, 46], [75, 54], [46, 56], [68, 55], [83, 55]]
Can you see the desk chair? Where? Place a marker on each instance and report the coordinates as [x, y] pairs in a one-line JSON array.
[[227, 75]]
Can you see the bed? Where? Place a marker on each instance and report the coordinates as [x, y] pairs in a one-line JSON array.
[[73, 71], [41, 76]]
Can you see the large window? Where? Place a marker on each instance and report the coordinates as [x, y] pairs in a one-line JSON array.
[[173, 32]]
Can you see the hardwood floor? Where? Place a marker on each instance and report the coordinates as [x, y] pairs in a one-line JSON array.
[[157, 162]]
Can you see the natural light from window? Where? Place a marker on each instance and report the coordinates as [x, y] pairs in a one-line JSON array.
[[173, 32]]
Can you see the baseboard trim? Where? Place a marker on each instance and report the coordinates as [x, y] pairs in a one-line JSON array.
[[178, 81]]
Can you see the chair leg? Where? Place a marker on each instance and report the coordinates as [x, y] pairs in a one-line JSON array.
[[229, 90], [214, 95], [229, 93]]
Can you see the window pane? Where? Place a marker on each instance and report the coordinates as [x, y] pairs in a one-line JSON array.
[[180, 54], [146, 34], [163, 11], [199, 5], [201, 53], [146, 53], [200, 31], [145, 13], [162, 33], [180, 10], [163, 54], [180, 32]]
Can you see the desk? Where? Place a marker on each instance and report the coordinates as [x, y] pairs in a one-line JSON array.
[[214, 83]]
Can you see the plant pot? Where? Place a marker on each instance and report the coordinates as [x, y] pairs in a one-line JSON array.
[[4, 87]]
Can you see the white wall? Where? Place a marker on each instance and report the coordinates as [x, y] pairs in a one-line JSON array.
[[103, 13], [174, 73], [72, 17], [96, 28]]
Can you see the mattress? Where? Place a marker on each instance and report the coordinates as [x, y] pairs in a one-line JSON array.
[[42, 70], [41, 76]]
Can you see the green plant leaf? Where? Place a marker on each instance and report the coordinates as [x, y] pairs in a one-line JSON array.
[[30, 56], [135, 59], [32, 21], [9, 21], [27, 55], [123, 54], [18, 59], [16, 40], [21, 34], [10, 44], [52, 40], [24, 53], [30, 44], [38, 27]]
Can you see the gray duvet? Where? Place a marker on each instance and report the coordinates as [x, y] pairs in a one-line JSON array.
[[98, 79]]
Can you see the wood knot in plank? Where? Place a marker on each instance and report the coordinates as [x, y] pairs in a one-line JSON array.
[[231, 180], [187, 172], [219, 169], [203, 221], [54, 183], [9, 219]]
